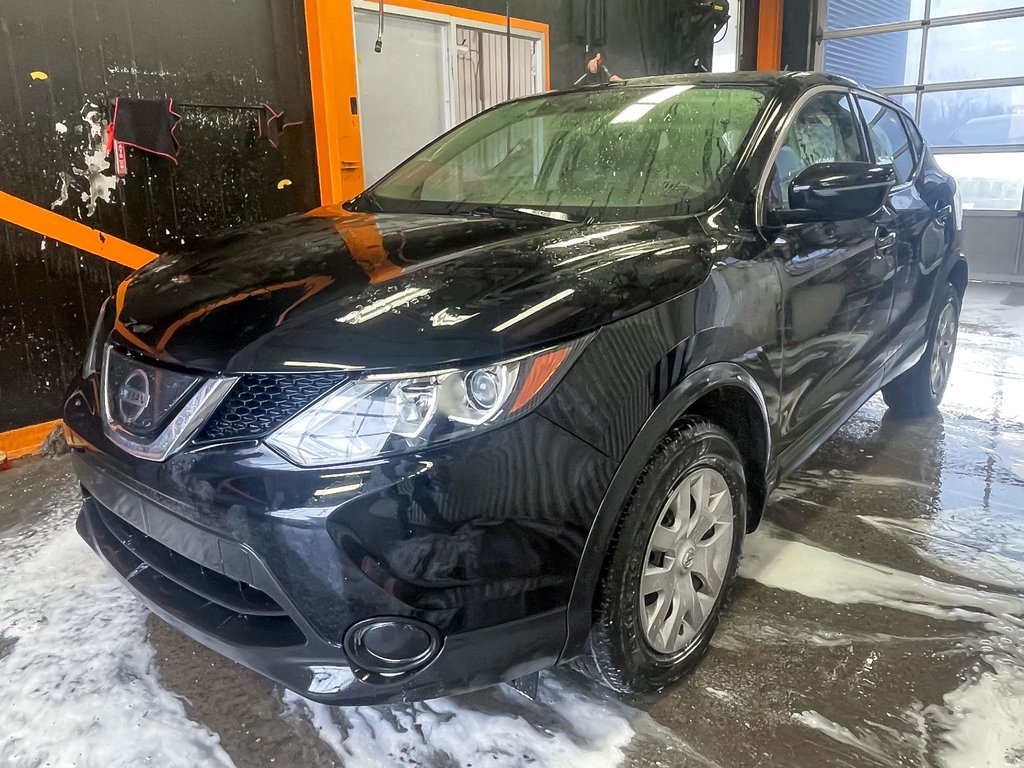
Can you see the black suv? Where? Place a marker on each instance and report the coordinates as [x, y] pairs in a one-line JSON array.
[[519, 402]]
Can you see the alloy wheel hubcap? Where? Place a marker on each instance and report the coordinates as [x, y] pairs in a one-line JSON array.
[[943, 347], [687, 558]]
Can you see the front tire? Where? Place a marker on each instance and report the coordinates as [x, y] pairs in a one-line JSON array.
[[671, 564], [918, 392]]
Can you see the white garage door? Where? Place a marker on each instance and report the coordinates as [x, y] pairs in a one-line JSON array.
[[402, 89], [958, 66], [433, 71]]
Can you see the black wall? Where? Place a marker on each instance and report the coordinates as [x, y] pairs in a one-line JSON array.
[[222, 56], [799, 34], [634, 32]]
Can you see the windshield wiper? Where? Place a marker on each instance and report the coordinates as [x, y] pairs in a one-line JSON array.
[[370, 199], [511, 212]]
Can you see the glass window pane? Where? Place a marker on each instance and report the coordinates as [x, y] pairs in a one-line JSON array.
[[977, 51], [605, 152], [993, 181], [982, 117], [889, 138], [825, 131], [876, 61], [942, 8], [908, 101], [845, 14], [915, 137]]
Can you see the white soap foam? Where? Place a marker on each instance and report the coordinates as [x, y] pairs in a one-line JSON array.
[[497, 727], [982, 545], [981, 721], [801, 567], [78, 685], [984, 717], [868, 743]]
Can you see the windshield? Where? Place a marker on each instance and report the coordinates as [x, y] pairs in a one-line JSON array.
[[624, 152]]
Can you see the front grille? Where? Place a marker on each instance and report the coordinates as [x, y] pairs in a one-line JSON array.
[[142, 398], [260, 403], [231, 610]]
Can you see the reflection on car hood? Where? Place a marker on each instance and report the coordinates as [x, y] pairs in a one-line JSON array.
[[334, 289]]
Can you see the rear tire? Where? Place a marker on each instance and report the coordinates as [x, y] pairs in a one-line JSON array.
[[671, 563], [918, 392]]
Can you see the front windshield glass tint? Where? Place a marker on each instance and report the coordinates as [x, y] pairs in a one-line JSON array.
[[590, 153]]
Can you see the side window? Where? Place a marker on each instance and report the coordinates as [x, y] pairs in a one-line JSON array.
[[889, 138], [915, 138], [825, 131]]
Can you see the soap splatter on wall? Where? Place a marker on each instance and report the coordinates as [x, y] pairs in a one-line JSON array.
[[64, 66]]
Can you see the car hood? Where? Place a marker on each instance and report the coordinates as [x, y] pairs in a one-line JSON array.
[[339, 290]]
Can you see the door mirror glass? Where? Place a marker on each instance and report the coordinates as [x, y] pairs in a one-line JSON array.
[[836, 192]]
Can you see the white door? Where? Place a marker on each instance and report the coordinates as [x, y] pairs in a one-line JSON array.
[[403, 102]]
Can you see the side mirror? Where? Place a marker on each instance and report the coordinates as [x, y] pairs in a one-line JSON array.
[[836, 192]]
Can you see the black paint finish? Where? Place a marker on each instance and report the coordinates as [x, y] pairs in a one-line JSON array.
[[495, 540], [228, 57]]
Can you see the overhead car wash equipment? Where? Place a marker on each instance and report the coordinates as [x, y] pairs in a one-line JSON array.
[[694, 27], [379, 45]]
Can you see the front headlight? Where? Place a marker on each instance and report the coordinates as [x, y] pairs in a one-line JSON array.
[[104, 325], [384, 414]]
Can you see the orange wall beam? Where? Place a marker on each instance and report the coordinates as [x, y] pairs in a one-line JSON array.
[[468, 14], [330, 34], [769, 36], [22, 442], [70, 232]]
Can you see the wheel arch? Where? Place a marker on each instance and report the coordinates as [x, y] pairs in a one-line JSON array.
[[724, 393], [958, 275]]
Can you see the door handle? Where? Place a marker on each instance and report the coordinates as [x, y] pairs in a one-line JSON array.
[[884, 241]]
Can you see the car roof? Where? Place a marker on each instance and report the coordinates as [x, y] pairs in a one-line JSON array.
[[762, 79]]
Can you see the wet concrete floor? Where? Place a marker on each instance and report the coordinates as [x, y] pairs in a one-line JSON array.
[[878, 621]]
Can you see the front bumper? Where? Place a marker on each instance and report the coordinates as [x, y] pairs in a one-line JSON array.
[[277, 648], [271, 565]]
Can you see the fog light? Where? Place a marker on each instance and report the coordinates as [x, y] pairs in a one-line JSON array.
[[391, 645]]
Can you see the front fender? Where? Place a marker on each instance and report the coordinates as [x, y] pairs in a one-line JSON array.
[[668, 412]]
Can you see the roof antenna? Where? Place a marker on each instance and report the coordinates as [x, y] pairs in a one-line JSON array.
[[380, 28]]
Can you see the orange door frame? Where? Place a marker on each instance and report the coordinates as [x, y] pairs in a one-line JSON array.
[[330, 36], [330, 32], [769, 35]]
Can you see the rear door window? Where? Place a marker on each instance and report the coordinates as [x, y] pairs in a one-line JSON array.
[[888, 138]]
